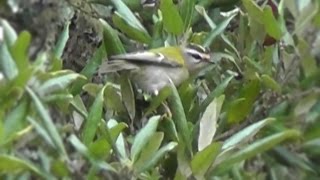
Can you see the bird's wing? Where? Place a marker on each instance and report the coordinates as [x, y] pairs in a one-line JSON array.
[[147, 58], [116, 65]]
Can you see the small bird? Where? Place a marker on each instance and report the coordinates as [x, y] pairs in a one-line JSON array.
[[152, 70]]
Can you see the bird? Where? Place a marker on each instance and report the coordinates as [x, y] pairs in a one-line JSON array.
[[153, 69]]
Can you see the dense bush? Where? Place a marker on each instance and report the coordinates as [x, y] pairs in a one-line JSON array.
[[254, 114]]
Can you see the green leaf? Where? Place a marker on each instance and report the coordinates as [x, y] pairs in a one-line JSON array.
[[128, 96], [41, 131], [294, 159], [99, 149], [62, 41], [201, 162], [11, 164], [81, 148], [7, 64], [111, 40], [48, 123], [90, 69], [240, 108], [257, 147], [245, 134], [179, 117], [271, 25], [113, 98], [255, 12], [208, 123], [9, 34], [171, 18], [157, 156], [156, 101], [93, 120], [58, 83], [305, 104], [15, 120], [116, 127], [143, 137], [77, 103], [20, 51], [135, 34], [149, 150], [92, 89], [218, 30], [128, 15], [195, 113], [187, 12], [270, 83], [187, 94]]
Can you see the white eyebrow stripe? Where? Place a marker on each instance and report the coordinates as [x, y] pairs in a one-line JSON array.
[[192, 51]]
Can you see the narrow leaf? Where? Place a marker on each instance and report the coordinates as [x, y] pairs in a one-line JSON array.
[[93, 119], [171, 18], [143, 137], [201, 162], [208, 122], [256, 148]]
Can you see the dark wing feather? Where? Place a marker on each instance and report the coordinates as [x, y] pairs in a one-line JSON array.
[[146, 57], [116, 65]]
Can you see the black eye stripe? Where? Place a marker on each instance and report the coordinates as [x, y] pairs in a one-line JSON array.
[[196, 56]]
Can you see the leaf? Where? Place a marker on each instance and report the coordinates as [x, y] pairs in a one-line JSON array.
[[7, 64], [91, 67], [130, 31], [179, 117], [92, 89], [195, 113], [48, 123], [93, 119], [171, 18], [62, 41], [111, 40], [294, 159], [20, 51], [305, 104], [241, 107], [128, 96], [201, 10], [164, 93], [58, 83], [257, 147], [113, 98], [201, 162], [208, 123], [120, 144], [128, 15], [9, 34], [245, 134], [149, 150], [81, 148], [270, 83], [77, 103], [255, 12], [11, 164], [15, 119], [271, 25], [218, 30], [157, 156], [41, 131], [143, 136], [187, 12]]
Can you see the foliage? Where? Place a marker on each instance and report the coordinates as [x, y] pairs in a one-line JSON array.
[[254, 114]]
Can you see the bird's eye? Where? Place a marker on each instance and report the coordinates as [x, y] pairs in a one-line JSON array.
[[197, 57]]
